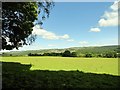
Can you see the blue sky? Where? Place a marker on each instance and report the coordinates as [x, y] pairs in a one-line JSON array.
[[77, 24]]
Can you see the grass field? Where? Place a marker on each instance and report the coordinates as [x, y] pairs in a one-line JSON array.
[[93, 65]]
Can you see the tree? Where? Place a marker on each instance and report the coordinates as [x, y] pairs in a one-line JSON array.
[[109, 55], [88, 55], [115, 55], [66, 53], [99, 55], [17, 22], [73, 54], [29, 54]]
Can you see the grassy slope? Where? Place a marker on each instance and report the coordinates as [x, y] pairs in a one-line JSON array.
[[97, 50], [94, 65]]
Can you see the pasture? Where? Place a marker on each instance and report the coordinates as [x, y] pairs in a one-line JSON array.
[[93, 65]]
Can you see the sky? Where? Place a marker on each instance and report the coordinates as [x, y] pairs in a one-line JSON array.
[[77, 24]]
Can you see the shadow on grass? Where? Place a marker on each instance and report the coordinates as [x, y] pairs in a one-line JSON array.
[[20, 77]]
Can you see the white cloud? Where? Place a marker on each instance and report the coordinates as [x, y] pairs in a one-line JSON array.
[[83, 42], [70, 40], [115, 6], [95, 30], [66, 36], [33, 46], [37, 30], [110, 18]]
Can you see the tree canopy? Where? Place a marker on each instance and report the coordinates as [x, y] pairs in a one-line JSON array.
[[17, 22]]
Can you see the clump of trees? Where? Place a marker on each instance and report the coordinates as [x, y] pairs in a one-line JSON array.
[[66, 53], [45, 54], [88, 55], [104, 55]]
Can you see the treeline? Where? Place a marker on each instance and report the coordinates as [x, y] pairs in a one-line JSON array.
[[105, 55], [45, 54], [67, 53]]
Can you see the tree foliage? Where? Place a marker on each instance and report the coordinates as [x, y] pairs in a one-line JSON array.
[[17, 22], [66, 53], [88, 55], [73, 54]]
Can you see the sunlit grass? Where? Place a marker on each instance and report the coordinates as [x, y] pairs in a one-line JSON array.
[[93, 65]]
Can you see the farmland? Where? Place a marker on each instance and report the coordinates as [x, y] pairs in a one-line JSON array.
[[59, 73], [94, 65]]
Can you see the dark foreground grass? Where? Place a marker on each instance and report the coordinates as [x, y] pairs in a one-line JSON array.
[[20, 77]]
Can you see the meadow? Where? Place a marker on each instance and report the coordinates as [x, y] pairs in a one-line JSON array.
[[61, 73], [93, 65]]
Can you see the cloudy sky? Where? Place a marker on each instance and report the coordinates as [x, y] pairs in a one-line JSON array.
[[78, 24]]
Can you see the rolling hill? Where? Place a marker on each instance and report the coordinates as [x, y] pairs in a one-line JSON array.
[[78, 50]]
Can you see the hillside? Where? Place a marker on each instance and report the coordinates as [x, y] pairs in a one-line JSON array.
[[97, 50], [79, 50]]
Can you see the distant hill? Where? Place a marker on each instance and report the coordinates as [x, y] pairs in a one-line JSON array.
[[98, 50], [78, 50]]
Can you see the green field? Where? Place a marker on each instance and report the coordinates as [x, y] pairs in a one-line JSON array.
[[93, 65]]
